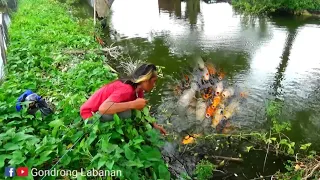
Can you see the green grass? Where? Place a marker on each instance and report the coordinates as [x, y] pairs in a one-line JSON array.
[[272, 6]]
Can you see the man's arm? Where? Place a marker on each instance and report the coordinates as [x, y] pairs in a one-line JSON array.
[[110, 107]]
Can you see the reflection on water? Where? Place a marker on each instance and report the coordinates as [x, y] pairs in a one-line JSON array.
[[269, 57]]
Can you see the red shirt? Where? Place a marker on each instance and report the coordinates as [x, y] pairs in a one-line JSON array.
[[117, 91]]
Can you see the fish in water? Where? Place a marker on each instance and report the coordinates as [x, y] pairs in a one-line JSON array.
[[231, 109], [221, 75], [217, 118], [207, 93], [177, 90], [190, 139], [191, 111], [186, 97], [200, 110], [228, 92], [186, 81], [210, 111], [211, 69], [216, 101], [244, 94], [204, 73], [218, 88], [224, 127], [193, 102]]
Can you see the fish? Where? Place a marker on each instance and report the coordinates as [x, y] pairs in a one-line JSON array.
[[177, 90], [227, 128], [211, 69], [228, 92], [204, 73], [221, 75], [207, 93], [193, 102], [231, 109], [200, 62], [218, 88], [186, 97], [186, 81], [217, 118], [210, 111], [191, 111], [200, 110], [216, 101], [243, 94], [190, 139], [206, 96]]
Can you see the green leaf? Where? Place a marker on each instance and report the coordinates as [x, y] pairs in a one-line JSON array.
[[76, 136], [101, 162], [55, 131], [138, 141], [150, 119], [91, 138], [21, 136], [138, 114], [56, 123], [46, 153], [163, 172], [17, 158], [249, 148], [96, 157], [116, 119], [136, 163], [305, 146], [3, 158], [109, 148], [146, 111], [128, 153], [66, 160], [109, 164], [150, 154], [11, 146], [119, 130]]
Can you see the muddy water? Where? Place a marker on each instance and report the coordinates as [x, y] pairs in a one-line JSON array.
[[270, 58]]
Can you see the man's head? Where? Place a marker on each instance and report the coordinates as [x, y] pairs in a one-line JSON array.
[[146, 76]]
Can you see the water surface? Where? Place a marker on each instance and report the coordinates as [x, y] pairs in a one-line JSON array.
[[272, 57]]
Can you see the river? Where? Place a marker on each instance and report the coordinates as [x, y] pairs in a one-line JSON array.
[[272, 57], [268, 57]]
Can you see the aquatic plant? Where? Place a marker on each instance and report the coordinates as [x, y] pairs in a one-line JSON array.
[[40, 34], [204, 170]]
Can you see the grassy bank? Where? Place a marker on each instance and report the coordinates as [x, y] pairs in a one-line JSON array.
[[41, 34], [276, 6]]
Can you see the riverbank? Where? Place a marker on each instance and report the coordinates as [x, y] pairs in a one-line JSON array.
[[56, 56], [295, 7]]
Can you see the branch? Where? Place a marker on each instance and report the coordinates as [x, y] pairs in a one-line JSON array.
[[265, 158], [311, 173], [228, 158], [271, 177]]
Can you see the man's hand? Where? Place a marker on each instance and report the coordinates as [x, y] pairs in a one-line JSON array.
[[139, 103], [162, 130]]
